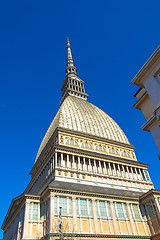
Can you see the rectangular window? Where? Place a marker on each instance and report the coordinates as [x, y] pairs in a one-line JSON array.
[[150, 211], [30, 205], [83, 206], [119, 210], [63, 204], [55, 205], [136, 212], [96, 204], [125, 210], [90, 208], [102, 209], [108, 209], [77, 207], [35, 211], [46, 209], [70, 205]]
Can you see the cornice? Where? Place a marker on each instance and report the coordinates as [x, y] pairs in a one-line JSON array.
[[140, 100], [102, 235], [146, 126], [106, 196], [148, 64], [149, 194]]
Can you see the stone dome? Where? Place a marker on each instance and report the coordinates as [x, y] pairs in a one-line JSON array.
[[79, 115]]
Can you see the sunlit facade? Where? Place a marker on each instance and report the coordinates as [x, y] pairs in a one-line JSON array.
[[86, 166], [148, 95]]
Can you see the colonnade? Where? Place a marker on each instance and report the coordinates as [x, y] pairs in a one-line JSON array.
[[100, 167], [92, 166]]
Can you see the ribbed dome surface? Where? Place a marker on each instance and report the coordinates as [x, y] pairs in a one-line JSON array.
[[79, 115]]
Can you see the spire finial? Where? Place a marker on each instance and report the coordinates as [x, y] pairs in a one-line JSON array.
[[70, 63], [72, 84]]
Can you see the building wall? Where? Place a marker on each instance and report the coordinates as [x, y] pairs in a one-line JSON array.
[[148, 78]]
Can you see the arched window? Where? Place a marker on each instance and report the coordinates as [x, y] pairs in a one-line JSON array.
[[100, 148], [71, 142], [86, 145], [113, 150], [125, 154]]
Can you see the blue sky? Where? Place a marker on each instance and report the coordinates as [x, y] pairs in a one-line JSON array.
[[110, 42]]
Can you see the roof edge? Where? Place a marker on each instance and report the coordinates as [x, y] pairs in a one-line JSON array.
[[150, 61]]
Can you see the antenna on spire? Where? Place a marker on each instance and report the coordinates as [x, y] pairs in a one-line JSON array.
[[70, 63]]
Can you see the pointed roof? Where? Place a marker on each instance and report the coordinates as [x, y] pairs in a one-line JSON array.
[[70, 63], [72, 84], [79, 115]]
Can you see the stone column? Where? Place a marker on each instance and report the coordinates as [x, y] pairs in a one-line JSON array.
[[136, 173], [79, 163], [26, 219], [110, 169], [51, 165], [119, 170], [62, 161], [51, 212], [140, 173], [67, 161], [49, 168], [113, 218], [73, 162], [155, 213], [95, 166], [124, 172], [84, 164], [128, 172], [94, 216], [132, 172], [105, 169], [131, 219], [157, 206], [149, 175], [53, 162], [100, 168], [144, 175], [89, 162], [55, 159], [74, 214], [115, 171]]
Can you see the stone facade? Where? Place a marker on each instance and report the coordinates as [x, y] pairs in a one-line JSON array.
[[148, 96], [86, 166]]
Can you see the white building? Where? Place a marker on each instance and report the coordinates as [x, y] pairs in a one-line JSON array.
[[148, 96]]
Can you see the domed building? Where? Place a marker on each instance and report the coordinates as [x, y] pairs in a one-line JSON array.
[[86, 181]]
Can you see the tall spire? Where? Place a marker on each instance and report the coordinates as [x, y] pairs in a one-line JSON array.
[[70, 63], [72, 84]]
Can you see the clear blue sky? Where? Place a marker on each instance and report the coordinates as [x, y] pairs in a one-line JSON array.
[[110, 42]]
